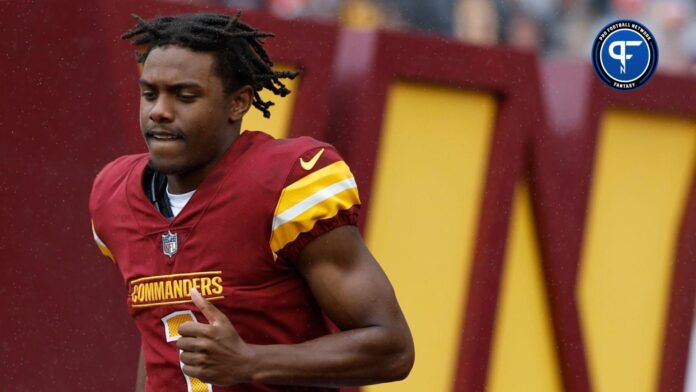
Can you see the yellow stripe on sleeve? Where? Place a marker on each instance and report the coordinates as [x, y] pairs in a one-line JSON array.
[[317, 196], [312, 183], [101, 245]]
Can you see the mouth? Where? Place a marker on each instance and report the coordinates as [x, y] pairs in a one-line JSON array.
[[164, 135]]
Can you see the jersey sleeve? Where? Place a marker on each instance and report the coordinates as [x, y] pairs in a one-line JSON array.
[[105, 194], [319, 195], [101, 245]]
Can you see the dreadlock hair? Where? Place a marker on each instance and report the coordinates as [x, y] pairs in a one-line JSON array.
[[240, 56]]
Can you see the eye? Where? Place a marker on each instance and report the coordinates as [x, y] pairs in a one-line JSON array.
[[148, 95], [187, 98]]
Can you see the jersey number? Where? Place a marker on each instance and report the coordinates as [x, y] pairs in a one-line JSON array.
[[172, 321]]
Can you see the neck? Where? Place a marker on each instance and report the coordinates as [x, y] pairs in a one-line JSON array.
[[186, 182]]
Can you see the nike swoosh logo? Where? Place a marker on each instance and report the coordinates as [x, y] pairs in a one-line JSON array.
[[308, 165]]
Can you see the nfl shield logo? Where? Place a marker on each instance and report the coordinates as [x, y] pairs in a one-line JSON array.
[[170, 244]]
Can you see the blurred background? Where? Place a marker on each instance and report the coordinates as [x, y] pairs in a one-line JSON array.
[[559, 28], [539, 228]]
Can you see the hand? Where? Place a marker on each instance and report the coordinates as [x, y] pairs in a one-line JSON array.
[[214, 353]]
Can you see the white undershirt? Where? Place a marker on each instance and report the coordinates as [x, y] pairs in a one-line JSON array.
[[177, 202]]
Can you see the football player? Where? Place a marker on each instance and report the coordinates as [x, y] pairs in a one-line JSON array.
[[237, 247]]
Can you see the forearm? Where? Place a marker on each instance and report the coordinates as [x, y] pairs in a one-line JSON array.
[[140, 376], [357, 357]]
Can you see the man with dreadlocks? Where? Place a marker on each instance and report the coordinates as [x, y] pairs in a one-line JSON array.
[[236, 247]]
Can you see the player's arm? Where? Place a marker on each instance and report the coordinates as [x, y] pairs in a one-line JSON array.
[[140, 375], [375, 345]]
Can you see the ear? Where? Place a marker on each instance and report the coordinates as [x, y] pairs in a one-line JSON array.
[[240, 102]]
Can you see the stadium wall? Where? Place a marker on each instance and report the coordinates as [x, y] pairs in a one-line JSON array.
[[539, 228]]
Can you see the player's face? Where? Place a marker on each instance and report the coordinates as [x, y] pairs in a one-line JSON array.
[[184, 112]]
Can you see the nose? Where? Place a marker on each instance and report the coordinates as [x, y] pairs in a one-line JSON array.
[[161, 111]]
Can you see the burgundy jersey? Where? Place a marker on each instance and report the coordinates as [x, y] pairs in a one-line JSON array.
[[235, 241]]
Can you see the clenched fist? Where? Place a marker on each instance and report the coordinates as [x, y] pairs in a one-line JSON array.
[[214, 353]]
